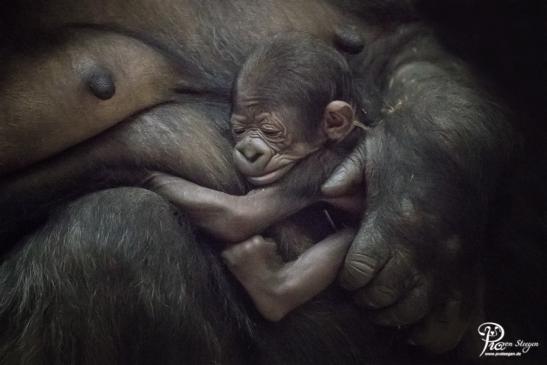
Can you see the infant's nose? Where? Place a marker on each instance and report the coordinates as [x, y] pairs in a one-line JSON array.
[[250, 152], [251, 155]]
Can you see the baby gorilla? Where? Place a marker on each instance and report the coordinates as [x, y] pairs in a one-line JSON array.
[[293, 122]]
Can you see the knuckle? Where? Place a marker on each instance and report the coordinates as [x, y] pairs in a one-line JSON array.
[[237, 250], [359, 269], [381, 296], [409, 213], [256, 240], [245, 246], [228, 257]]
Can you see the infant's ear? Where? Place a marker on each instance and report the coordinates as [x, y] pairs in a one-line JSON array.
[[338, 120]]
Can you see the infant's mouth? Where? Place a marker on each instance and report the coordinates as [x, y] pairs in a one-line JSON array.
[[270, 177]]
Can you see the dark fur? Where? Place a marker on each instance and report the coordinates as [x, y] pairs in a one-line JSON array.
[[116, 277], [305, 74], [297, 71], [306, 178]]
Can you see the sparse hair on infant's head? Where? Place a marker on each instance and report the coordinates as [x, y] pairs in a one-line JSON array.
[[296, 70]]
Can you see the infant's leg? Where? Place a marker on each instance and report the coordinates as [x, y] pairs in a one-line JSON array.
[[277, 288]]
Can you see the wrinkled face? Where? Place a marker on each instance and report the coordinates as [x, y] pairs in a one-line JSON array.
[[268, 143]]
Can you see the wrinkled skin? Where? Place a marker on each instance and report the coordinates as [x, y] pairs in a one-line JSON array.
[[412, 264], [265, 150]]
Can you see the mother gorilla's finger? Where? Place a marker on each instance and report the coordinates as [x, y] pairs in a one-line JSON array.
[[348, 175], [367, 255]]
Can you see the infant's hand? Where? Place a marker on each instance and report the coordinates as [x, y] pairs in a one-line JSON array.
[[252, 253]]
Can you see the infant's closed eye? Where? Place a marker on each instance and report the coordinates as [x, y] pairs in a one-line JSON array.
[[238, 130], [270, 131]]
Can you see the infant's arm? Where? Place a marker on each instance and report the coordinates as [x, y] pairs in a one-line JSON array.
[[228, 217], [276, 287]]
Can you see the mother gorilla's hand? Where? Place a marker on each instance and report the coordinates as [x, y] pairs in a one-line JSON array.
[[400, 278], [428, 169]]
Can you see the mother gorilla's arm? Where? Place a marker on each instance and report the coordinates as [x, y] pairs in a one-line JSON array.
[[82, 83], [429, 167]]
